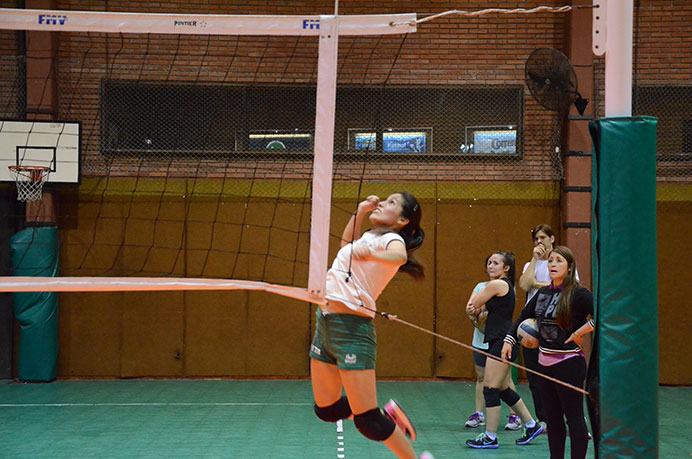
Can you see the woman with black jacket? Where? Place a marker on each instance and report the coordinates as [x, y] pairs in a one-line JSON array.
[[562, 311]]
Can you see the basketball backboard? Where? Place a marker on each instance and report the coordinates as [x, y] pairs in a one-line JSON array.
[[52, 144]]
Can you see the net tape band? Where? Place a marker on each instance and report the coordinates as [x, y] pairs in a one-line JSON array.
[[199, 24], [141, 284]]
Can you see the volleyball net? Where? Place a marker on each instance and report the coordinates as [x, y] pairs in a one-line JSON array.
[[235, 147]]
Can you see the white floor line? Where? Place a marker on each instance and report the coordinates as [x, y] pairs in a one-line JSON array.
[[33, 405], [340, 449]]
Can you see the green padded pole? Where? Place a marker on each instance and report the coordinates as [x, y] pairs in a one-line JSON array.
[[34, 252], [625, 285]]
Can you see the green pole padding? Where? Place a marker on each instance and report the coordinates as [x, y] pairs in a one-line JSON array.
[[34, 252], [625, 285]]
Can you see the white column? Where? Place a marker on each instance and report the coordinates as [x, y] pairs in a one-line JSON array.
[[324, 153], [618, 67]]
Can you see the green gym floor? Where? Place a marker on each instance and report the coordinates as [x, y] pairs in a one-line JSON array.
[[256, 419]]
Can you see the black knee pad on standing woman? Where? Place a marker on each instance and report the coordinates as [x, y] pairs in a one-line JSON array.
[[491, 396], [509, 397]]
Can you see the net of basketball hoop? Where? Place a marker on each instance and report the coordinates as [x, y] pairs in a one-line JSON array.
[[29, 180]]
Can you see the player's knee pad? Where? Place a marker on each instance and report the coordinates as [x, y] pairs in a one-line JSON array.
[[374, 425], [332, 413], [491, 396], [509, 396]]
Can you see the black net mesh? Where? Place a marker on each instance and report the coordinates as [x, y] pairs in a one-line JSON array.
[[12, 87], [195, 148], [671, 105], [175, 124]]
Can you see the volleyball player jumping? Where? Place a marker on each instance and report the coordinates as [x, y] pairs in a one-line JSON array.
[[343, 351]]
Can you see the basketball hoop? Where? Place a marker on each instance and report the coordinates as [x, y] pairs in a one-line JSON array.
[[29, 180]]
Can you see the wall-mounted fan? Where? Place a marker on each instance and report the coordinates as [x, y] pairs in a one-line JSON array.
[[551, 80]]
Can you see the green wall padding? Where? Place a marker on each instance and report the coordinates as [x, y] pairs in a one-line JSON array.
[[625, 285], [34, 252]]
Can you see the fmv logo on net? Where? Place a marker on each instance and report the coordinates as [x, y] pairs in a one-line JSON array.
[[311, 24], [52, 19]]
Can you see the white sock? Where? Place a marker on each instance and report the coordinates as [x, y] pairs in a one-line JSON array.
[[531, 424], [491, 436]]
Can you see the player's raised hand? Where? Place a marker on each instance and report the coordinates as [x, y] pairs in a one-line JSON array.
[[369, 204]]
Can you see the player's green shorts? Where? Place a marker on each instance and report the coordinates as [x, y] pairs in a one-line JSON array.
[[345, 340]]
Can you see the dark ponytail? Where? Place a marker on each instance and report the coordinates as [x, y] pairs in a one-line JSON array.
[[509, 260], [412, 234]]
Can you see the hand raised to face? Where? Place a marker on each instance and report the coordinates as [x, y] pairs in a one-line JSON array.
[[370, 204], [539, 251]]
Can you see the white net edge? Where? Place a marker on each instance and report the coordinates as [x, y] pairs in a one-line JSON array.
[[143, 284]]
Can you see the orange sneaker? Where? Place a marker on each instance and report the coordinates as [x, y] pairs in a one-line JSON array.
[[396, 414]]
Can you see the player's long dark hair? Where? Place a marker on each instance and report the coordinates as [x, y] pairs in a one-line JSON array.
[[412, 233], [563, 312]]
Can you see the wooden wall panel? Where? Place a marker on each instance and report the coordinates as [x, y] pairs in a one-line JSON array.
[[467, 233], [278, 335], [674, 292], [89, 334], [152, 330], [216, 333]]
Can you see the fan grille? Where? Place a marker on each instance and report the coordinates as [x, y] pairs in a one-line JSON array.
[[551, 79]]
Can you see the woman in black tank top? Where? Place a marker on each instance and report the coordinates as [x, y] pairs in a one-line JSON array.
[[498, 298], [500, 311]]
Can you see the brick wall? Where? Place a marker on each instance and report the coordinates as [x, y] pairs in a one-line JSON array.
[[489, 50], [663, 37]]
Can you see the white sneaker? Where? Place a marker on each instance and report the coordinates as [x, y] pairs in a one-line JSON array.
[[477, 419], [514, 423], [426, 455]]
